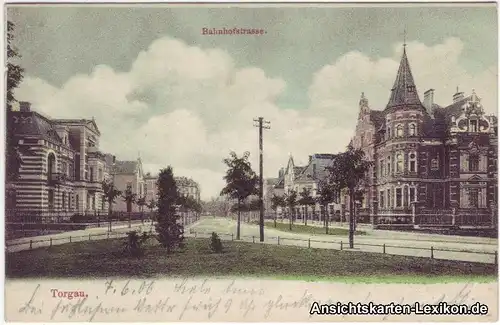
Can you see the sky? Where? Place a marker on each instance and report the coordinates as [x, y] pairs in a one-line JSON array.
[[157, 87]]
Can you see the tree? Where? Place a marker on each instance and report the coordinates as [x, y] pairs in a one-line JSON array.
[[241, 181], [291, 201], [13, 159], [110, 194], [151, 205], [129, 198], [277, 201], [307, 200], [141, 202], [170, 232], [347, 171], [326, 194]]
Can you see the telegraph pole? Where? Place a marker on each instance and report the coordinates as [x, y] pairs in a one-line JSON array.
[[261, 124]]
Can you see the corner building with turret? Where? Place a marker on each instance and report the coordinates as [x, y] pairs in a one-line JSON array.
[[433, 165]]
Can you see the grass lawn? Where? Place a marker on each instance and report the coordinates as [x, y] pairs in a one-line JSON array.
[[301, 228], [105, 258]]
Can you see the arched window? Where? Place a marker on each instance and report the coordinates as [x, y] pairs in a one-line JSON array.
[[412, 162], [399, 130], [77, 203], [388, 135], [412, 129], [51, 166], [399, 162]]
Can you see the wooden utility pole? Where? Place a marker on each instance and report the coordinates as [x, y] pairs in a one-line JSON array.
[[261, 124]]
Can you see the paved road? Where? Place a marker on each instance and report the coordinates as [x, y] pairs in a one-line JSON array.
[[411, 244], [22, 244]]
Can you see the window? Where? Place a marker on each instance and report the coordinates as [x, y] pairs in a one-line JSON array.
[[435, 164], [389, 198], [399, 163], [410, 89], [413, 162], [412, 193], [412, 129], [51, 166], [64, 201], [473, 126], [93, 202], [474, 198], [381, 167], [399, 198], [399, 131], [91, 174], [381, 199], [388, 171], [388, 132], [473, 163], [100, 176], [51, 199], [77, 202]]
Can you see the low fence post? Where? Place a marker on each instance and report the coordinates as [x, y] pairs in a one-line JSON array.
[[31, 244], [108, 235], [309, 243], [496, 257], [195, 234], [253, 239], [51, 242], [432, 252], [278, 240], [232, 237], [70, 239], [89, 236], [383, 248], [341, 245]]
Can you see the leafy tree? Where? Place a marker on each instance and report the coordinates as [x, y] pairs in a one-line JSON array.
[[347, 171], [307, 200], [129, 198], [241, 181], [170, 232], [151, 205], [291, 201], [133, 244], [13, 159], [327, 194], [110, 194], [276, 202], [141, 202]]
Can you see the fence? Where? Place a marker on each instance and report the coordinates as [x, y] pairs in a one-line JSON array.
[[341, 245]]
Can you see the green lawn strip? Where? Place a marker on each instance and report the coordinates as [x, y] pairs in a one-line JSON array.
[[106, 258], [300, 228]]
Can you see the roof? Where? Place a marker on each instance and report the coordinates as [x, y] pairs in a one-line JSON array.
[[125, 167], [298, 169], [90, 123], [319, 172], [404, 91], [377, 118], [184, 181], [34, 124]]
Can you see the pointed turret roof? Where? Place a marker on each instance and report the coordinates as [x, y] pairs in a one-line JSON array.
[[404, 91]]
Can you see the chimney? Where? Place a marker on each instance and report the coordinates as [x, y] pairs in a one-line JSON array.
[[24, 106], [458, 96], [429, 99]]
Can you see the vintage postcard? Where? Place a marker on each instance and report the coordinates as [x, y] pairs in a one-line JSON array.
[[251, 162]]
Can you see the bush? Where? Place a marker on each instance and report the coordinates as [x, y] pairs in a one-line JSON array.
[[215, 243], [133, 245]]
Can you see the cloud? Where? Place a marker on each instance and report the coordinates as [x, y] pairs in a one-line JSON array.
[[188, 107]]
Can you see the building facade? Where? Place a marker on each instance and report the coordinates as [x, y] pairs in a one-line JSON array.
[[433, 164], [62, 167], [128, 174]]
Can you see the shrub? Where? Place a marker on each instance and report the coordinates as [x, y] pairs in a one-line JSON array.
[[215, 243], [133, 245]]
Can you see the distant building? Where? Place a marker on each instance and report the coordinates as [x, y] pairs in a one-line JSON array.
[[128, 174], [186, 187]]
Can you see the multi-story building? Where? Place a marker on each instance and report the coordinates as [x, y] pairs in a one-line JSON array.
[[432, 164], [185, 186], [62, 166], [309, 178], [127, 175], [150, 187]]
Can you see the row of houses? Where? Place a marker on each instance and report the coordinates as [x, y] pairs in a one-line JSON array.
[[432, 164], [63, 169]]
